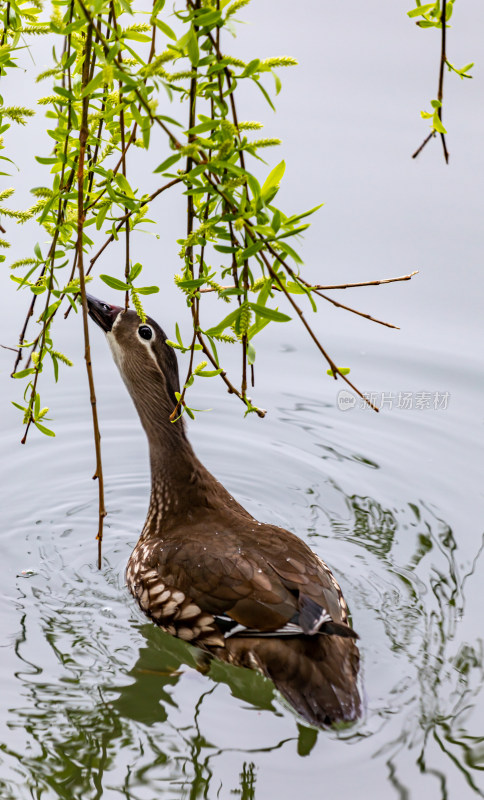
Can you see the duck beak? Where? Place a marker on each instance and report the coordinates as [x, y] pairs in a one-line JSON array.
[[102, 313]]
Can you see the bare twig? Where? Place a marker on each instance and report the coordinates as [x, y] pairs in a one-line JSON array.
[[354, 310], [366, 283], [332, 286]]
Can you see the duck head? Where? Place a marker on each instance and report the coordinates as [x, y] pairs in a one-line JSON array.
[[147, 364]]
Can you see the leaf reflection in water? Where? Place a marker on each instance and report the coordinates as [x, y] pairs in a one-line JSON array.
[[85, 734]]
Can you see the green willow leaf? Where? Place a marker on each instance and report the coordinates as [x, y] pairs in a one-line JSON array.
[[229, 320], [115, 283], [148, 289], [23, 373], [341, 370], [269, 313], [43, 429], [168, 162], [135, 271], [163, 27], [273, 179]]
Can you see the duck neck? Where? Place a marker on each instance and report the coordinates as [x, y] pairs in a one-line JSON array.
[[180, 484]]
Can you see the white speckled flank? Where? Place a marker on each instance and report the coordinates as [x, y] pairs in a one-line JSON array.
[[166, 605], [162, 501]]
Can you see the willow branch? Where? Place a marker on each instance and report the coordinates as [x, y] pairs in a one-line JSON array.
[[153, 117], [354, 310], [120, 224], [332, 286], [440, 90], [366, 283], [275, 277], [7, 25], [50, 257], [83, 136], [261, 412]]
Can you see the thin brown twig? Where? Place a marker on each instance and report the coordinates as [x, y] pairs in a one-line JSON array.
[[83, 136], [216, 44], [191, 123], [323, 296], [425, 141], [127, 229], [332, 286], [443, 59], [366, 283], [354, 310]]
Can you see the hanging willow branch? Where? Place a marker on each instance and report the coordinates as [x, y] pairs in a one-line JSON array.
[[112, 84], [83, 139], [434, 16]]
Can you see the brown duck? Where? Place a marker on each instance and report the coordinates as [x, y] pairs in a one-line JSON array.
[[205, 570]]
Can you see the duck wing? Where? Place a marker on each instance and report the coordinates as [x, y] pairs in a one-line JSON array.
[[275, 584]]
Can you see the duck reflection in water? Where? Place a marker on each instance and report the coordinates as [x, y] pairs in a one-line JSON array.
[[205, 571]]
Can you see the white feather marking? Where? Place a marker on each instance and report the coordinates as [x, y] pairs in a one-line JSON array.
[[189, 612], [116, 350], [169, 608], [160, 589], [186, 634]]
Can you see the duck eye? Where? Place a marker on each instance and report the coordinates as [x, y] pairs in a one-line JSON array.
[[145, 332]]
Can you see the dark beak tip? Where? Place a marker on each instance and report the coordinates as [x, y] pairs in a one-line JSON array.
[[102, 313]]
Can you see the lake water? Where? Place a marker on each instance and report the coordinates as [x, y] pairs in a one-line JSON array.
[[95, 701]]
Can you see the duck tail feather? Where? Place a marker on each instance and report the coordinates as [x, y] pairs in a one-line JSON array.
[[317, 674]]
